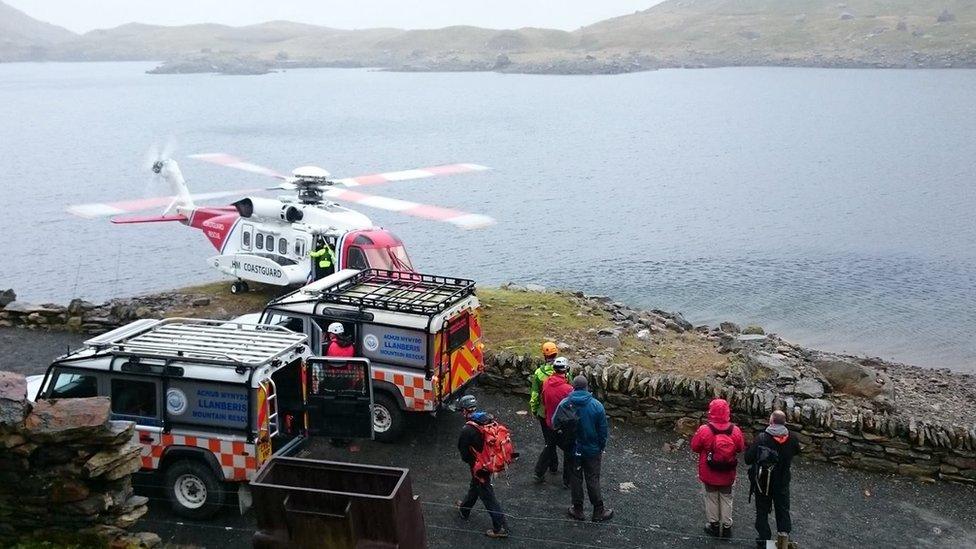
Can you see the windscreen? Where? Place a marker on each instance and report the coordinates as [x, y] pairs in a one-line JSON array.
[[393, 258]]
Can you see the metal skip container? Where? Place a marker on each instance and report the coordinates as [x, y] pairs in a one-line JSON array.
[[312, 503]]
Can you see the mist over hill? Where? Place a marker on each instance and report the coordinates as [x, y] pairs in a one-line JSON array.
[[675, 33]]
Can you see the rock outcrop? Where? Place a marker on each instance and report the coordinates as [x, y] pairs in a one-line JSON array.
[[65, 471]]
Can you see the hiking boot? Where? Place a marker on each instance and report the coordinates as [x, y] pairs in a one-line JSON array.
[[602, 515], [460, 510], [712, 529], [782, 540], [503, 533], [576, 513], [725, 532]]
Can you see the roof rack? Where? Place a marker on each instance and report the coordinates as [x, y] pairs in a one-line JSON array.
[[220, 341], [397, 291]]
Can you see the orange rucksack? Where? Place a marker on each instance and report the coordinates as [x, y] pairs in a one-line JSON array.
[[497, 452]]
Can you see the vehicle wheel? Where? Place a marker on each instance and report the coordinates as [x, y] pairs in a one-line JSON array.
[[194, 490], [235, 288], [387, 418]]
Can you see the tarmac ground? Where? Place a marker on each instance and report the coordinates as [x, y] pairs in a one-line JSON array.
[[831, 506]]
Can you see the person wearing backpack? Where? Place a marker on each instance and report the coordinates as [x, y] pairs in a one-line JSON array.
[[481, 438], [554, 390], [769, 458], [590, 441], [549, 458], [718, 443]]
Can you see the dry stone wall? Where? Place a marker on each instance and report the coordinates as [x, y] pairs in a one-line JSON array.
[[829, 429], [65, 471], [90, 318]]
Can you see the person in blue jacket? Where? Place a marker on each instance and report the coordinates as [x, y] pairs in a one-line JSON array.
[[591, 441]]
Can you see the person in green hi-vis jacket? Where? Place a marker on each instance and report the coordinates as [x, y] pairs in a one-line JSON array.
[[549, 458]]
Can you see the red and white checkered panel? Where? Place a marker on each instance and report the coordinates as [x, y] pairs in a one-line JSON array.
[[418, 393], [237, 458]]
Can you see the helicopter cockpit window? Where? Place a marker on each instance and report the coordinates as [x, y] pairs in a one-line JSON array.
[[300, 247], [269, 243], [259, 241], [282, 246], [356, 259]]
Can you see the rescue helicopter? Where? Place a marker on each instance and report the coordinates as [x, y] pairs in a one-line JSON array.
[[269, 240]]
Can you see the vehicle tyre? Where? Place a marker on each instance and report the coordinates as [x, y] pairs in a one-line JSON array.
[[235, 288], [193, 489], [387, 418]]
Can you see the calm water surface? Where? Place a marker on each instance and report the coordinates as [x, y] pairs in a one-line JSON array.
[[832, 206]]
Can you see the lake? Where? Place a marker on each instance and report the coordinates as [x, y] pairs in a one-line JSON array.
[[834, 207]]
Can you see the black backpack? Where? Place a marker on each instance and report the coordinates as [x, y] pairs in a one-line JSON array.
[[565, 422], [761, 472]]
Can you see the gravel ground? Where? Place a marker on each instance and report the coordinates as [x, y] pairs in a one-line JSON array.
[[832, 507]]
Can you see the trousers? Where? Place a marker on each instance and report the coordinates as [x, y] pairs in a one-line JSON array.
[[780, 501], [548, 459], [486, 492], [586, 469], [718, 504]]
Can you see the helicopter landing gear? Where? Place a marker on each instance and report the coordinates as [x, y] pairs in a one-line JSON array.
[[239, 287]]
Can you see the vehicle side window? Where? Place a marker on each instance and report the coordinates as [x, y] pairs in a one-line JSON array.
[[74, 385], [293, 323], [269, 243], [356, 259], [259, 241], [132, 397]]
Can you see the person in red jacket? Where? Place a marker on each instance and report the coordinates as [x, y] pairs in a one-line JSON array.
[[339, 344], [554, 389], [718, 444]]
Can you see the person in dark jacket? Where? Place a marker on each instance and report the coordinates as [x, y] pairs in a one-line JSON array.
[[470, 442], [591, 441], [776, 438]]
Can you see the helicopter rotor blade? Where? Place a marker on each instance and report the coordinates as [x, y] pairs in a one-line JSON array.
[[230, 161], [434, 213], [104, 209], [407, 175]]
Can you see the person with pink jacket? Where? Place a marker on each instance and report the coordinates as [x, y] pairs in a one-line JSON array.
[[718, 444]]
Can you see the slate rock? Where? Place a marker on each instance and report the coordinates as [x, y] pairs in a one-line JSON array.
[[67, 419], [809, 387], [849, 377], [6, 297]]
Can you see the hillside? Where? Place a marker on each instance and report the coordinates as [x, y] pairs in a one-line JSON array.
[[807, 32], [23, 37], [675, 33]]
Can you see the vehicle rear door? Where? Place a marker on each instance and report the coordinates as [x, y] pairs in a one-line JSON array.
[[458, 352], [338, 397]]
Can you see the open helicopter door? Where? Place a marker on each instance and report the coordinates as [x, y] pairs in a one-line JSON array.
[[339, 397]]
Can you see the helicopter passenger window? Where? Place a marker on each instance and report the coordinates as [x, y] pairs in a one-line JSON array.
[[246, 239], [269, 243], [259, 241], [356, 259], [282, 246], [300, 247]]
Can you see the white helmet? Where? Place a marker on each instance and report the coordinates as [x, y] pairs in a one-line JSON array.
[[561, 364], [336, 328]]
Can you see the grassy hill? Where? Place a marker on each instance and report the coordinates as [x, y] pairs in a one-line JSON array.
[[23, 37], [891, 33], [773, 31]]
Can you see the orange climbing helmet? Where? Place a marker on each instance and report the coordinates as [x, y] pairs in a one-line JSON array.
[[549, 349]]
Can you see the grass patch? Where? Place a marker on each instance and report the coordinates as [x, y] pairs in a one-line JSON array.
[[224, 304], [520, 321]]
